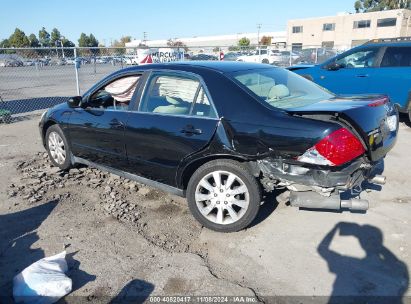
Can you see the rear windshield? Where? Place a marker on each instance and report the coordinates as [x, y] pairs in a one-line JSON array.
[[280, 88]]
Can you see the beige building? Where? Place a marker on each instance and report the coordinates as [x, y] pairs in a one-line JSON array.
[[347, 30]]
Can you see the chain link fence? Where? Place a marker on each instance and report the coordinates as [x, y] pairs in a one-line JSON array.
[[37, 78]]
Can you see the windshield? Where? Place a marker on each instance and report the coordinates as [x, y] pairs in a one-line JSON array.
[[280, 88]]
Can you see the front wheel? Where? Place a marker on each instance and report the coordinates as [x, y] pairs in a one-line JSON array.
[[224, 196], [58, 148]]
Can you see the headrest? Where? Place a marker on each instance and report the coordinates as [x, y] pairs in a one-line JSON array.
[[278, 91]]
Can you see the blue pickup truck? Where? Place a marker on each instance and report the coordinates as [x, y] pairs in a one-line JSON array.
[[380, 66]]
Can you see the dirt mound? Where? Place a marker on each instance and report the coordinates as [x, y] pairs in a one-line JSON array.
[[162, 219]]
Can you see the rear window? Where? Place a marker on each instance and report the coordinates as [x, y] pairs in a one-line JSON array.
[[280, 88], [397, 57]]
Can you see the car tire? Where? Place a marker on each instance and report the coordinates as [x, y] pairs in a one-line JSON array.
[[221, 207], [58, 148], [265, 61]]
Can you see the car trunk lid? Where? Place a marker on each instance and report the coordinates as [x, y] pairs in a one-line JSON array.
[[372, 117]]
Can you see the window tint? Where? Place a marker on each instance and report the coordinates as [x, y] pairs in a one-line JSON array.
[[116, 95], [175, 95], [362, 24], [397, 57], [386, 22], [360, 59]]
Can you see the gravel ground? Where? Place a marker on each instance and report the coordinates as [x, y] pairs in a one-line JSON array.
[[126, 240]]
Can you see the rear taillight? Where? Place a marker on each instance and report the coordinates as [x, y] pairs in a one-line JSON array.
[[378, 102], [336, 149]]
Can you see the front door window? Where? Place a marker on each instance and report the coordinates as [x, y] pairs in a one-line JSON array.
[[116, 95], [360, 59]]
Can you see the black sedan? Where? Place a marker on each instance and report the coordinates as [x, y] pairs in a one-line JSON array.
[[222, 133]]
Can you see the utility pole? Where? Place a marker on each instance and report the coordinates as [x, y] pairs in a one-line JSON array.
[[62, 46], [258, 41], [144, 37], [258, 33]]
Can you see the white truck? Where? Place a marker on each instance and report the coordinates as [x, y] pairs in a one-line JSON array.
[[260, 56]]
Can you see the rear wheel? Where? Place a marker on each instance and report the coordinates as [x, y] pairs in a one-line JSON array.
[[58, 148], [224, 196], [265, 61]]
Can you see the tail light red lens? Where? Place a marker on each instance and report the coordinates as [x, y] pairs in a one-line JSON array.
[[336, 149], [378, 102]]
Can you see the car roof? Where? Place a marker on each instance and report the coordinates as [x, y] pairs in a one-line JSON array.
[[218, 66], [380, 44]]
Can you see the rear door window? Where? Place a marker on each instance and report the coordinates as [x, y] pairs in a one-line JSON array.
[[397, 57], [177, 95]]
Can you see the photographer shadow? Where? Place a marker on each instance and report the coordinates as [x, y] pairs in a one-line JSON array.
[[379, 277]]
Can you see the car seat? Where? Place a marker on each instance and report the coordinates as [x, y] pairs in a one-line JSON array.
[[174, 106], [278, 91]]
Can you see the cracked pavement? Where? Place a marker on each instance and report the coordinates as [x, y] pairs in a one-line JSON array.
[[126, 240]]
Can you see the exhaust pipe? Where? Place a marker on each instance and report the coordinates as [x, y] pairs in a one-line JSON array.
[[378, 179], [314, 200], [355, 204]]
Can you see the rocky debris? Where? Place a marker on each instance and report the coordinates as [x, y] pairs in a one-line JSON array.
[[154, 214]]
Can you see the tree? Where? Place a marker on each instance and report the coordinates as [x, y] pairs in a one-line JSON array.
[[93, 42], [233, 48], [121, 44], [67, 43], [125, 39], [178, 44], [216, 49], [88, 41], [244, 42], [54, 37], [44, 37], [364, 6], [5, 43], [83, 40], [34, 42], [265, 40], [19, 39]]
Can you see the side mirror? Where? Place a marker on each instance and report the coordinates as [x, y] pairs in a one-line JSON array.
[[74, 102], [333, 66]]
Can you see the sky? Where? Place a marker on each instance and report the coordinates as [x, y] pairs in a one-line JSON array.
[[161, 19]]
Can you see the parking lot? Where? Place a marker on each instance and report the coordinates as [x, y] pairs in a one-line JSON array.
[[125, 239], [21, 83]]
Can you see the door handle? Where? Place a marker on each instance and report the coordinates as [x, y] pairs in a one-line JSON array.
[[362, 75], [190, 130]]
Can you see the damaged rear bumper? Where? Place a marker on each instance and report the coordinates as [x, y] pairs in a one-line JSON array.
[[318, 188]]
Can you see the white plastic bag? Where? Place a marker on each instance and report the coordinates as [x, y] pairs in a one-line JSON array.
[[43, 282]]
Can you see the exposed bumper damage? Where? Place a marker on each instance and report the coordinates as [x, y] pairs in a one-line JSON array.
[[317, 188]]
